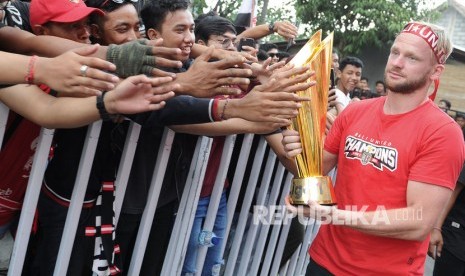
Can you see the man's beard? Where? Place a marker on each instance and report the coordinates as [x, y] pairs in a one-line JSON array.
[[406, 87]]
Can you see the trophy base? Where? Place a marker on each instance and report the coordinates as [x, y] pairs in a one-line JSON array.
[[315, 188]]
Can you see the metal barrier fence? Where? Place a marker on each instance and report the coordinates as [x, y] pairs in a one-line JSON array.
[[258, 240]]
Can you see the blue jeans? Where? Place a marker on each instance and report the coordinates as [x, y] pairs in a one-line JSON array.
[[3, 229], [213, 260]]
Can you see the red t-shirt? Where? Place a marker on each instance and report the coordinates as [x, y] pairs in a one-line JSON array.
[[377, 155]]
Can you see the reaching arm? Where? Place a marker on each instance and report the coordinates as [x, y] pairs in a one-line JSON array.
[[227, 127], [285, 29], [147, 53], [134, 95]]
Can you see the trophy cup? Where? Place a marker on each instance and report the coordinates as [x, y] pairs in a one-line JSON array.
[[310, 184]]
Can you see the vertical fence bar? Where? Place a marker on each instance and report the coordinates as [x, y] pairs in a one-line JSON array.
[[275, 232], [293, 262], [152, 201], [263, 236], [258, 159], [77, 198], [34, 184], [125, 166], [253, 228], [237, 183], [187, 208], [3, 120], [306, 242], [216, 196], [190, 208], [283, 237]]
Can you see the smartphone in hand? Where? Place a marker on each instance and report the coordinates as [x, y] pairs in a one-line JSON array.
[[246, 42]]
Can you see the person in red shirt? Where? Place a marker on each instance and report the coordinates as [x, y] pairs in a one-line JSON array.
[[396, 168]]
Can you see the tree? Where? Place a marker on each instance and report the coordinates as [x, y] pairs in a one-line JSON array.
[[197, 7], [358, 23]]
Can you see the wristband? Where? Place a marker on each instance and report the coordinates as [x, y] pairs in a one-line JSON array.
[[30, 70], [214, 111], [104, 115]]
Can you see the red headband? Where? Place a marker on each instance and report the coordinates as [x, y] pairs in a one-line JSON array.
[[429, 36]]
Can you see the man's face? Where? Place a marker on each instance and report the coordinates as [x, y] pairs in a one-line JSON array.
[[120, 26], [273, 53], [443, 106], [335, 64], [78, 31], [177, 31], [410, 64], [363, 84], [225, 41], [349, 78], [380, 89], [460, 121]]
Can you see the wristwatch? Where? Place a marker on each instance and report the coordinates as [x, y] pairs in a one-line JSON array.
[[104, 115], [271, 27]]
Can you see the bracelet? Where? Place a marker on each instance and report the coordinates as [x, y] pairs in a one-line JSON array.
[[104, 115], [222, 117], [30, 70], [437, 228]]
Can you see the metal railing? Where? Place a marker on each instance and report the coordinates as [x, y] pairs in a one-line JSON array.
[[257, 246]]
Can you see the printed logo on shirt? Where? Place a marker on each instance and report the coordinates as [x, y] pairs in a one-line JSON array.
[[13, 15], [379, 156]]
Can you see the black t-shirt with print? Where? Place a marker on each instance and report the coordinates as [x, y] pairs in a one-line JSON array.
[[453, 229], [16, 14]]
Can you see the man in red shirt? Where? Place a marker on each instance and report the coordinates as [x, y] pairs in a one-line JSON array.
[[396, 168]]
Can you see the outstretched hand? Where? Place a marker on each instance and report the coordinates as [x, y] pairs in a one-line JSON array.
[[292, 79], [207, 79], [264, 71], [261, 105], [225, 54], [63, 74], [139, 94], [141, 56], [286, 29]]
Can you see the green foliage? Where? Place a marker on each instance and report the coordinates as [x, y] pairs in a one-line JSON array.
[[229, 9], [358, 23], [197, 7]]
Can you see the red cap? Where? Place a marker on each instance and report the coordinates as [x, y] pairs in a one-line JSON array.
[[62, 11]]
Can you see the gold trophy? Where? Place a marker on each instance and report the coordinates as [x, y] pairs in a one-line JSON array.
[[310, 184]]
